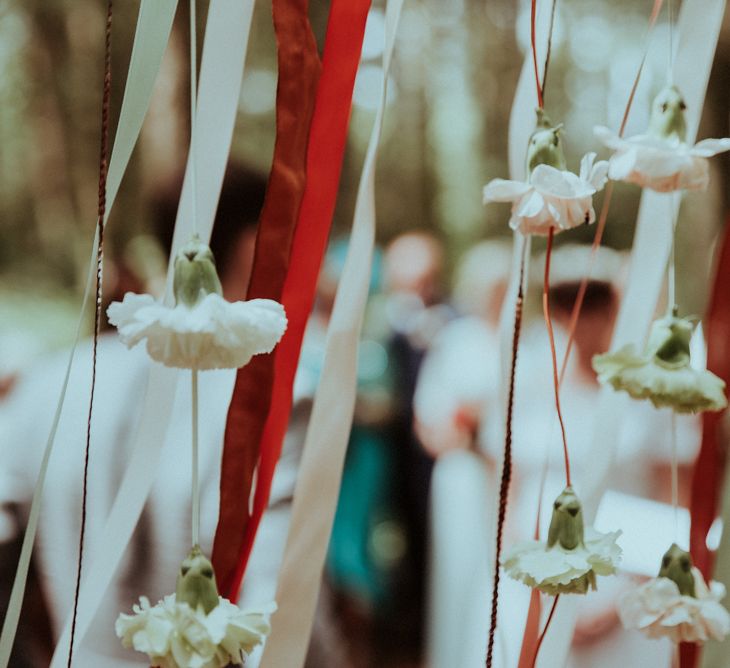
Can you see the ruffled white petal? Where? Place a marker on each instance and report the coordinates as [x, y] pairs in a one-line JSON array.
[[663, 165], [214, 334], [502, 190], [709, 147], [556, 570], [174, 635], [657, 609], [684, 389], [552, 198]]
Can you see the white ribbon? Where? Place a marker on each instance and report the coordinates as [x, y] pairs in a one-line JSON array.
[[317, 490], [221, 73], [150, 41]]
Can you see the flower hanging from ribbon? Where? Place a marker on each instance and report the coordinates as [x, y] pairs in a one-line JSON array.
[[552, 197], [661, 159], [663, 373], [572, 557], [194, 627], [677, 604], [202, 330]]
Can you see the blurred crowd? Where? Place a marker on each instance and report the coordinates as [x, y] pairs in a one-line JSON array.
[[406, 578]]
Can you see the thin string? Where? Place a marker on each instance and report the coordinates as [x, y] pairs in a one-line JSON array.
[[551, 336], [675, 477], [195, 476], [603, 216], [671, 280], [507, 464], [549, 49], [533, 13], [195, 482], [101, 211], [193, 114], [545, 630], [670, 65]]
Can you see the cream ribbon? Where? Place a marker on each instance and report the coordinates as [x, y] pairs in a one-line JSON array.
[[698, 27], [318, 484], [221, 73], [150, 41]]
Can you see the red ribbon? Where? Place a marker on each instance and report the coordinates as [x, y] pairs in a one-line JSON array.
[[345, 32], [299, 70], [709, 470]]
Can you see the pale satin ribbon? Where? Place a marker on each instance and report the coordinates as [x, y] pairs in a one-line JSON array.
[[315, 497], [221, 72], [714, 654], [698, 28], [150, 41], [454, 640]]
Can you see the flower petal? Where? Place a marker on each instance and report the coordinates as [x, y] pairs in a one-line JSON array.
[[502, 190]]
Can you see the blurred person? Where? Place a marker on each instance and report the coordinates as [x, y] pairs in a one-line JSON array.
[[462, 365], [416, 309], [357, 585], [162, 537], [467, 483]]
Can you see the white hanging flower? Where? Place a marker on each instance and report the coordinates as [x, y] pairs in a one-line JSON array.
[[203, 330], [213, 334], [659, 608], [663, 165], [661, 159], [194, 627], [663, 373], [572, 557], [551, 197], [174, 635]]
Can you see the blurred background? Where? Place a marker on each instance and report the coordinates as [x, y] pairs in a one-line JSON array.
[[455, 71], [453, 78]]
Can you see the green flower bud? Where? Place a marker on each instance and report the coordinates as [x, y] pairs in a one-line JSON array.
[[545, 146], [195, 273], [566, 525], [196, 584], [669, 340], [677, 566], [667, 115]]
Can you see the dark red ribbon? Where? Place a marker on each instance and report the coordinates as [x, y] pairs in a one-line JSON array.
[[709, 470], [327, 137], [299, 70]]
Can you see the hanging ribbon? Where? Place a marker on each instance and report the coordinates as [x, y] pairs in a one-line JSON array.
[[708, 474], [299, 69], [150, 41], [318, 483], [345, 32], [221, 72]]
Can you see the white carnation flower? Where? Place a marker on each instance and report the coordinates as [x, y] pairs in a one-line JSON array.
[[555, 570], [212, 334], [572, 557], [551, 197], [657, 609], [662, 164], [174, 635], [661, 159], [663, 373], [684, 389]]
